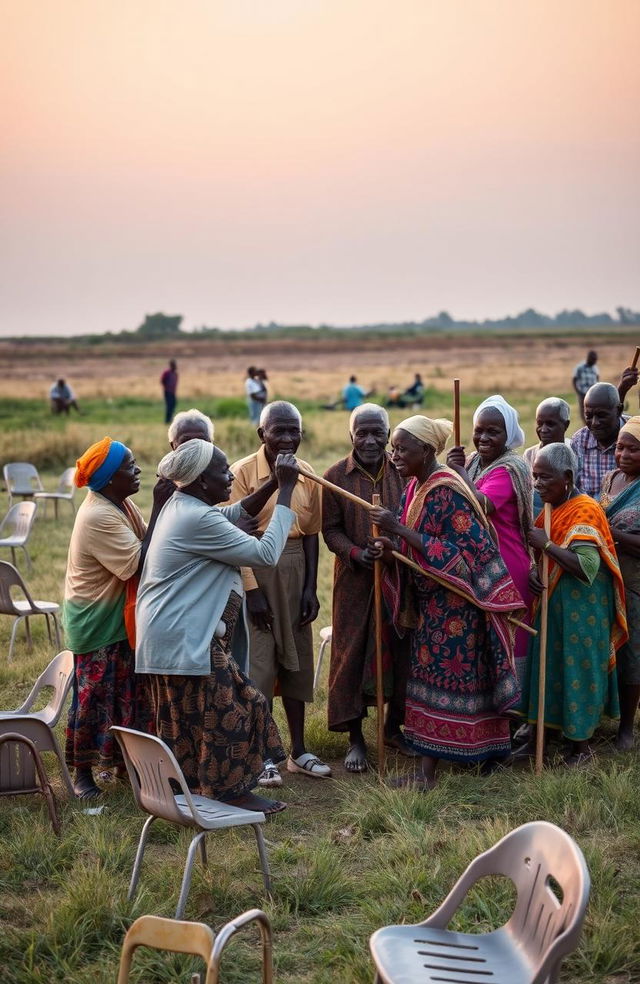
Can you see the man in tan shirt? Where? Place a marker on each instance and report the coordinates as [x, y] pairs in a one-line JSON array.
[[282, 601]]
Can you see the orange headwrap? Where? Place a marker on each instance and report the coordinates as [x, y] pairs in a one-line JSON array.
[[91, 461]]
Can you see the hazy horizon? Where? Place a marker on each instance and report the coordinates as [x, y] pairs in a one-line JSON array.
[[310, 162]]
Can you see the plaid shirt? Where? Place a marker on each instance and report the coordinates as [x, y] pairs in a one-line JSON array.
[[585, 376], [593, 462]]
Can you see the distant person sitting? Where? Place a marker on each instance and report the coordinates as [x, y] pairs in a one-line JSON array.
[[62, 398], [414, 394], [585, 375], [353, 395], [169, 383], [255, 387]]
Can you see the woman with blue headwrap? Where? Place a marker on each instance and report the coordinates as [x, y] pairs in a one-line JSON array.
[[105, 555]]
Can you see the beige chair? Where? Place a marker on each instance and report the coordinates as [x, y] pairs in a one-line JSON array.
[[20, 763], [15, 529], [553, 884], [22, 480], [325, 639], [151, 765], [197, 939], [24, 609], [64, 493], [38, 726]]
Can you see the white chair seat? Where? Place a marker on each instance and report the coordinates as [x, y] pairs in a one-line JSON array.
[[12, 541], [53, 495], [214, 815], [44, 607]]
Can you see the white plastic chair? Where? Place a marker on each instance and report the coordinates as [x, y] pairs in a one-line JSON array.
[[38, 726], [64, 493], [15, 529], [197, 939], [151, 765], [10, 577], [22, 480], [550, 874], [325, 639]]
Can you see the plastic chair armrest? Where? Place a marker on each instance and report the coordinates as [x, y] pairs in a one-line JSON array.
[[445, 912], [230, 929]]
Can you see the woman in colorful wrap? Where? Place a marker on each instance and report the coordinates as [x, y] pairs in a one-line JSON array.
[[105, 555], [462, 678], [620, 499], [586, 621], [191, 630], [502, 483]]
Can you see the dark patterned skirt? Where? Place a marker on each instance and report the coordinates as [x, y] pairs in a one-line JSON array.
[[219, 727], [106, 691]]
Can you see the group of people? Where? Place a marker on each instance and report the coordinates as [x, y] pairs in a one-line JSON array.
[[189, 627]]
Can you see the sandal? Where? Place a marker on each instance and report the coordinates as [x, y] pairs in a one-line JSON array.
[[355, 760], [309, 765], [270, 778]]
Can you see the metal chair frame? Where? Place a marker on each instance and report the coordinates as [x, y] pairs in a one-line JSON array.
[[23, 610], [64, 493], [22, 479], [20, 763], [21, 517]]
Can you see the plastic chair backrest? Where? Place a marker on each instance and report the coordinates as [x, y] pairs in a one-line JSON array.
[[20, 517], [58, 675], [21, 476], [17, 765], [66, 484], [10, 577], [165, 934], [151, 764]]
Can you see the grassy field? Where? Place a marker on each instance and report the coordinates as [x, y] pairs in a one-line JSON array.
[[349, 855]]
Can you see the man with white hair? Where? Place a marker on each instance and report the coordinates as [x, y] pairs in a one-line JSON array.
[[345, 527], [282, 601]]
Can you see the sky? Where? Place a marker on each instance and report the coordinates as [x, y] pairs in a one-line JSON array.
[[316, 161]]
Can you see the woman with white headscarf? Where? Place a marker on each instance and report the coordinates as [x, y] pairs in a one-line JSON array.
[[190, 624], [501, 479], [462, 677]]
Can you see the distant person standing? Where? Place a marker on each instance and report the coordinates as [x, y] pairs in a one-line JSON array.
[[61, 396], [256, 389], [169, 383], [352, 394], [585, 375]]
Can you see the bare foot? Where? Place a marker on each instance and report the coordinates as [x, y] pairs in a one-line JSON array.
[[624, 741], [259, 804], [415, 783], [399, 742], [356, 758]]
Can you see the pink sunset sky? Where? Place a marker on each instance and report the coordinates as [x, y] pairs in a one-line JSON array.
[[310, 161]]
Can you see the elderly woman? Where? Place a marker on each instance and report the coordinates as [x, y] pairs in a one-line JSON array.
[[190, 619], [105, 553], [462, 678], [502, 482], [620, 499], [552, 420], [586, 621]]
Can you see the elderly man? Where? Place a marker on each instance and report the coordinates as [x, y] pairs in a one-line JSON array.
[[345, 527], [282, 601], [595, 444]]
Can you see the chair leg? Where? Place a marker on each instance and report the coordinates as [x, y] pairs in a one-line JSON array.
[[55, 508], [46, 618], [137, 864], [28, 628], [57, 630], [29, 564], [186, 878], [203, 851], [264, 861], [64, 771], [13, 557], [13, 635]]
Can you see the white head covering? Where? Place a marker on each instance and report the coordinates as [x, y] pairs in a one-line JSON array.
[[435, 433], [187, 462], [515, 433]]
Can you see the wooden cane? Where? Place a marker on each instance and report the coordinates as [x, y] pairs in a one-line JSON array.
[[456, 412], [377, 600], [544, 619], [634, 364], [401, 557]]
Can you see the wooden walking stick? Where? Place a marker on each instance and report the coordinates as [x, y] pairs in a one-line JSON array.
[[544, 619], [634, 364], [377, 601], [456, 412]]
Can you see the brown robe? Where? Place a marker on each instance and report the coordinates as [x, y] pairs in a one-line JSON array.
[[345, 526]]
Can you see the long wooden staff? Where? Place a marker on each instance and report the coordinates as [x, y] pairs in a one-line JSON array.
[[544, 620], [456, 412], [401, 557], [634, 364], [377, 601]]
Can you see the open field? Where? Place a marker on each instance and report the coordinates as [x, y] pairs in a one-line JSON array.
[[348, 855]]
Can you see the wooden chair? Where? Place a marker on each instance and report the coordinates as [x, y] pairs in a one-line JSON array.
[[38, 726], [20, 763], [553, 884], [15, 529], [151, 765], [64, 493], [197, 939], [9, 578], [21, 479]]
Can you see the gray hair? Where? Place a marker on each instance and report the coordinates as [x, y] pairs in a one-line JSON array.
[[559, 457], [560, 407], [374, 409], [279, 406], [603, 394], [187, 419]]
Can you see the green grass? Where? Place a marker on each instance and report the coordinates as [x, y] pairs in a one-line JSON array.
[[347, 856]]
